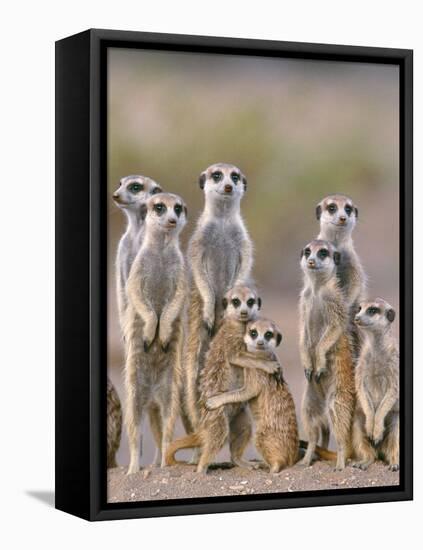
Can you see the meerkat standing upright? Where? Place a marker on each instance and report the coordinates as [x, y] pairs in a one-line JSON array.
[[220, 256], [338, 216], [157, 290], [325, 351], [376, 420], [132, 192]]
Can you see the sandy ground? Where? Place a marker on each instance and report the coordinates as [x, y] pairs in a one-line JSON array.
[[154, 483]]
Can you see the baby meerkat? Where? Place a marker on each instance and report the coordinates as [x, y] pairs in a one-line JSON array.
[[376, 421], [271, 403], [325, 352], [157, 291], [240, 304], [114, 424], [219, 257], [132, 192]]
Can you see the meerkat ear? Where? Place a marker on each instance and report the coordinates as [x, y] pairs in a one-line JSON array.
[[302, 253], [278, 339], [202, 180], [336, 257], [318, 211], [390, 315], [225, 303], [259, 302], [186, 211], [356, 211], [244, 181], [143, 210]]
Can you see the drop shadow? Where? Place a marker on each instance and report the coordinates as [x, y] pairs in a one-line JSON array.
[[46, 497]]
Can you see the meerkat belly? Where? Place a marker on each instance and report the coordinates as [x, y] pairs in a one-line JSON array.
[[315, 327], [378, 385], [222, 256], [160, 284]]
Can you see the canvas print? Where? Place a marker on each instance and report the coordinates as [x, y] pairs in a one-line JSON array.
[[253, 275]]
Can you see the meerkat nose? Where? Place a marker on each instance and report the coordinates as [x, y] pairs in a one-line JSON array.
[[311, 263], [172, 221], [115, 195], [260, 344], [228, 188], [342, 219]]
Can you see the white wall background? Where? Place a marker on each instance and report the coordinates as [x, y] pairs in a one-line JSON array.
[[27, 37]]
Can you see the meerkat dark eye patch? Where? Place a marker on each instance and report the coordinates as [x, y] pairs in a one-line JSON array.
[[390, 315], [332, 208], [306, 252], [217, 176], [268, 335], [160, 208], [178, 209], [236, 302], [372, 310], [235, 177], [323, 253], [156, 190], [250, 302], [253, 333], [135, 187], [348, 209]]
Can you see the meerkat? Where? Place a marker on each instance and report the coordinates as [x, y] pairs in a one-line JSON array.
[[132, 192], [270, 401], [220, 256], [338, 217], [157, 291], [240, 304], [376, 419], [325, 351], [114, 424]]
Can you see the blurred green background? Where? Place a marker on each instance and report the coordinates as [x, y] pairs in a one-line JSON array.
[[299, 130]]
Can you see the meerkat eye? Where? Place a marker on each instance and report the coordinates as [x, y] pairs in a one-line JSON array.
[[332, 208], [156, 190], [323, 253], [253, 333], [236, 302], [348, 209], [235, 177], [268, 335], [250, 302], [217, 176], [135, 187], [159, 207], [307, 252], [178, 209], [372, 310]]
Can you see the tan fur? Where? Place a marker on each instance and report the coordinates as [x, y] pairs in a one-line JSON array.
[[219, 257], [114, 424], [217, 376], [271, 404], [153, 327], [325, 348]]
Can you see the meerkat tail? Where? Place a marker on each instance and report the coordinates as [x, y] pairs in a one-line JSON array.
[[324, 454], [188, 442]]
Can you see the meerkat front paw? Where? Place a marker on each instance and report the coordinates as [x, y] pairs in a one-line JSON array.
[[308, 374], [393, 467], [369, 429], [377, 436], [278, 375], [213, 403], [149, 334], [319, 374]]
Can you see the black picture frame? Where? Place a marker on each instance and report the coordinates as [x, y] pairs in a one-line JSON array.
[[81, 170]]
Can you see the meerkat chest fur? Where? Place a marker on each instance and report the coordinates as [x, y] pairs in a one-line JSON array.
[[378, 369], [221, 242]]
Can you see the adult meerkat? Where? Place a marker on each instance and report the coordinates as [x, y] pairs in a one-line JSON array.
[[325, 352], [157, 291], [132, 192], [220, 257], [241, 304], [338, 216], [270, 401], [114, 424], [376, 420]]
